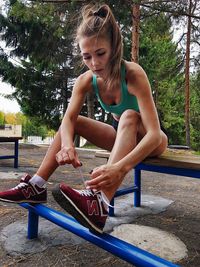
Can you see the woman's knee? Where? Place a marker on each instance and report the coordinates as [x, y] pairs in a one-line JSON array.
[[129, 118], [162, 147], [164, 142]]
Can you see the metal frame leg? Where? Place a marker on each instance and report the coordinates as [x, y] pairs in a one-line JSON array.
[[137, 181], [112, 210], [33, 220], [16, 154]]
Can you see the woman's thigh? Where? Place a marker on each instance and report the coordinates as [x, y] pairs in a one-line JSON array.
[[98, 133]]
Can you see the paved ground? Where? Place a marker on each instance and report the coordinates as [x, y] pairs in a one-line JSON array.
[[181, 218]]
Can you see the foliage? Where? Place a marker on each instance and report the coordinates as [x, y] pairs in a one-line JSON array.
[[29, 125], [42, 60], [42, 43], [2, 118], [162, 61], [195, 110]]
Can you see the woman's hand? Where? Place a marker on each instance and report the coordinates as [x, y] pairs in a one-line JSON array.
[[105, 176], [68, 155]]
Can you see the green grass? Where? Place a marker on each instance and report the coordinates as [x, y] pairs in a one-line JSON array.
[[90, 146]]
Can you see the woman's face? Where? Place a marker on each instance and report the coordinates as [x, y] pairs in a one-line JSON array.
[[96, 54]]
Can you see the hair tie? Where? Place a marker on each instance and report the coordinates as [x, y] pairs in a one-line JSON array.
[[100, 13]]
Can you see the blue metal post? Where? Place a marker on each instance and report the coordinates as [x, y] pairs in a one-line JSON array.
[[112, 210], [137, 194], [33, 220], [16, 155], [194, 173]]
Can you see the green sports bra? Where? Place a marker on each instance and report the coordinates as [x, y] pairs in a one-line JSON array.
[[127, 101]]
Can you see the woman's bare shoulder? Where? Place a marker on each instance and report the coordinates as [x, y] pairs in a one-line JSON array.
[[134, 70], [136, 78], [84, 81]]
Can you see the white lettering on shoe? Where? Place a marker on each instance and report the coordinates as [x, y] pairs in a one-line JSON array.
[[92, 207], [95, 207], [28, 192], [39, 190]]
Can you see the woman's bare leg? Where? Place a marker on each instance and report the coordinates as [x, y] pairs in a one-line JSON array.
[[49, 163], [98, 133], [102, 135], [130, 132]]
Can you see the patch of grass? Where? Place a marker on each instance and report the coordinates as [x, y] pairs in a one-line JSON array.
[[90, 146]]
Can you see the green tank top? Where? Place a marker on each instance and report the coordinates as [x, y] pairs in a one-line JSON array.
[[127, 101]]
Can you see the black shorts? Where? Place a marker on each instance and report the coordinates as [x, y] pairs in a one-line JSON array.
[[115, 124]]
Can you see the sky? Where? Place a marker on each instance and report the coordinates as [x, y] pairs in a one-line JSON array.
[[7, 105]]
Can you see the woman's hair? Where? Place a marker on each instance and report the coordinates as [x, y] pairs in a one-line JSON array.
[[100, 22]]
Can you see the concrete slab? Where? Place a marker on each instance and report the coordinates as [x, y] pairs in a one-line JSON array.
[[14, 240], [156, 241], [125, 212], [11, 175], [13, 236]]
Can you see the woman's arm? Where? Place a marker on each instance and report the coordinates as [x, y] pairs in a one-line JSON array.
[[107, 177], [67, 154], [138, 85]]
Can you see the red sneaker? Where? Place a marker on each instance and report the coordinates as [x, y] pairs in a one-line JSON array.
[[25, 192], [86, 206]]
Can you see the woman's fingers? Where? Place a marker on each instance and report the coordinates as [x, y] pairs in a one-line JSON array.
[[68, 156], [101, 180]]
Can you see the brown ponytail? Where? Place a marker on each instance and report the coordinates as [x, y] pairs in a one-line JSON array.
[[100, 22]]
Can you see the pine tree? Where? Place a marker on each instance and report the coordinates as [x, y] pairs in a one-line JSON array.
[[41, 49]]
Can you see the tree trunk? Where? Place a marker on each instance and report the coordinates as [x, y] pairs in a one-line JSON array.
[[77, 141], [187, 78], [64, 93], [135, 32], [90, 104]]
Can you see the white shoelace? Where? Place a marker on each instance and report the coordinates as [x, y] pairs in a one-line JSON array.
[[85, 192], [20, 185], [88, 192]]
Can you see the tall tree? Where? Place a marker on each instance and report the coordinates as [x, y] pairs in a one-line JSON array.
[[187, 76], [135, 32], [163, 62]]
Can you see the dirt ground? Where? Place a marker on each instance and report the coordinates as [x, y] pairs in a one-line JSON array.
[[181, 218]]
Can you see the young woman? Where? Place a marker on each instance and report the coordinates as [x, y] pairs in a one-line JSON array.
[[123, 89]]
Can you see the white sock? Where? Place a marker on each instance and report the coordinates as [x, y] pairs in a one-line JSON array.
[[39, 181]]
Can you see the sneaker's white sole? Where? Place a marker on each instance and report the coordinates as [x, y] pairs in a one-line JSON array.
[[22, 201]]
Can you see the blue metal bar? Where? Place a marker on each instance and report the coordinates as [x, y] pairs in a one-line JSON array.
[[16, 146], [16, 154], [112, 210], [7, 157], [125, 191], [169, 170], [120, 248], [121, 192], [33, 220], [137, 194]]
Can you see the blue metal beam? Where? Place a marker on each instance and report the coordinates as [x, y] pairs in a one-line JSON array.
[[124, 191], [7, 157], [169, 170], [120, 248]]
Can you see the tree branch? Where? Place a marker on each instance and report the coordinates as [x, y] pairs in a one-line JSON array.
[[168, 10]]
